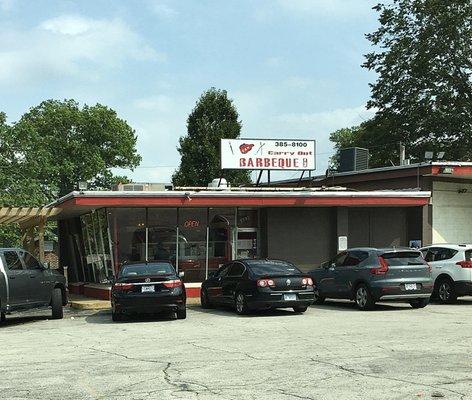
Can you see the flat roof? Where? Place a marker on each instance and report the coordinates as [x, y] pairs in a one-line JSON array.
[[466, 165], [77, 203]]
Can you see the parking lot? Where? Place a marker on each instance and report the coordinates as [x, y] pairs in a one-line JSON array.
[[332, 351]]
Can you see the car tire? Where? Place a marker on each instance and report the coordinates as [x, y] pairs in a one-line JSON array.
[[240, 304], [319, 299], [56, 304], [116, 317], [363, 298], [300, 309], [181, 314], [3, 317], [419, 303], [204, 301], [446, 291]]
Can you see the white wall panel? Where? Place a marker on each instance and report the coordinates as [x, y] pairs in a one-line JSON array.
[[452, 213]]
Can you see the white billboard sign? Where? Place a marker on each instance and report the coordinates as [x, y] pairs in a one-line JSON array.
[[273, 154]]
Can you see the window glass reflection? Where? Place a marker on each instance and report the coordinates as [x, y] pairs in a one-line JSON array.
[[128, 234], [192, 243]]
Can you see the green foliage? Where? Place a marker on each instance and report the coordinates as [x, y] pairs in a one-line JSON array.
[[61, 144], [56, 145], [423, 94], [213, 118]]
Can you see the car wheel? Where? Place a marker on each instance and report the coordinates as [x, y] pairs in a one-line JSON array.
[[419, 303], [3, 317], [319, 299], [363, 298], [446, 291], [240, 304], [181, 314], [116, 317], [300, 309], [204, 301], [56, 304]]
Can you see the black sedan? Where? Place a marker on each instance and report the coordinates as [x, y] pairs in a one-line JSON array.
[[148, 288], [258, 285]]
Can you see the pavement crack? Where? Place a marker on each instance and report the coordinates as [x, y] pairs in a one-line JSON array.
[[112, 353], [293, 395], [198, 346], [384, 377], [184, 385]]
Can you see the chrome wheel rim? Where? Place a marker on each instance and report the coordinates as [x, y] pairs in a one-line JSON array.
[[239, 303], [361, 297], [444, 291]]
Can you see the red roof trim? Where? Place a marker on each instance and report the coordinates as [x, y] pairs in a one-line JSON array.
[[243, 201]]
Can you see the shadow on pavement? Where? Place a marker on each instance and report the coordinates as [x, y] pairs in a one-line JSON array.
[[104, 317], [351, 306], [229, 312], [15, 319]]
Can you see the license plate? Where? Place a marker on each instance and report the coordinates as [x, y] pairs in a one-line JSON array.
[[410, 286], [147, 289], [290, 297]]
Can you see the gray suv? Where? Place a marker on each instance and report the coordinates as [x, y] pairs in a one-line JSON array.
[[368, 275], [26, 283]]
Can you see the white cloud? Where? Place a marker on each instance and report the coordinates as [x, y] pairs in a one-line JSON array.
[[161, 9], [6, 5], [324, 8], [160, 103], [325, 121], [70, 45]]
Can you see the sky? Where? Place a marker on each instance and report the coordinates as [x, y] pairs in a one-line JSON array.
[[292, 67]]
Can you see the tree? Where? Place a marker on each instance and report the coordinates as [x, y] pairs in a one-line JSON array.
[[423, 93], [213, 118], [59, 144]]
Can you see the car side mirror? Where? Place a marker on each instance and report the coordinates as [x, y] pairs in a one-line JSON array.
[[181, 274]]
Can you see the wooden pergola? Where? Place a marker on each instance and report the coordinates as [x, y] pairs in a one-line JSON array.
[[30, 219]]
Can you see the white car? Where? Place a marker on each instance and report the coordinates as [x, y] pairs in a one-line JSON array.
[[451, 270]]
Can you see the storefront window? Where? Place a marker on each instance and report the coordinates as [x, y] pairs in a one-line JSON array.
[[247, 245], [162, 234], [97, 249], [221, 223], [128, 234], [192, 250]]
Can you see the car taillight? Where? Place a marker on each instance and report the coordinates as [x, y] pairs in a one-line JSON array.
[[382, 270], [307, 281], [465, 264], [265, 282], [123, 287], [172, 284]]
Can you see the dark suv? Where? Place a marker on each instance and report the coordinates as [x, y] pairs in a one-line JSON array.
[[26, 283], [368, 275]]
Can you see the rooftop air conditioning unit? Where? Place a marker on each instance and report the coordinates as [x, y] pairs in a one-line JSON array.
[[353, 159]]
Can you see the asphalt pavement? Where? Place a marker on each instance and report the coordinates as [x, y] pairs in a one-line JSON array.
[[330, 352]]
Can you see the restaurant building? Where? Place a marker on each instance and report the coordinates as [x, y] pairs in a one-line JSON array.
[[199, 229]]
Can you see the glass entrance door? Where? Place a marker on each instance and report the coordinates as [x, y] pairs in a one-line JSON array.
[[247, 243]]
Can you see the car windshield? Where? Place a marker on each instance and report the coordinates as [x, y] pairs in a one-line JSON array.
[[263, 268], [147, 269], [404, 258]]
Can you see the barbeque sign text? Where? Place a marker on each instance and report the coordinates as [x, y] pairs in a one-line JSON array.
[[268, 154]]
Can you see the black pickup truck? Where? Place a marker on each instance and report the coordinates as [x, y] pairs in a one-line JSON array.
[[25, 283]]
